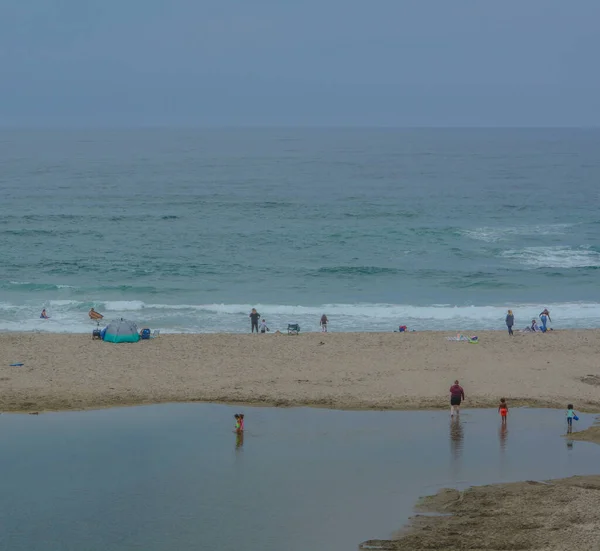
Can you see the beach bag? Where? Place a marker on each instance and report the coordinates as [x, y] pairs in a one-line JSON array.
[[145, 334]]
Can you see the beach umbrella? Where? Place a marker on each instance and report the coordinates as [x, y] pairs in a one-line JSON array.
[[121, 331]]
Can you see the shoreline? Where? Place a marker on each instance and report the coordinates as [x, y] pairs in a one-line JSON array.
[[552, 515], [380, 371]]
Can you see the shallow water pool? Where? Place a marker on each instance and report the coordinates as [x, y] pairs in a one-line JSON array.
[[176, 477]]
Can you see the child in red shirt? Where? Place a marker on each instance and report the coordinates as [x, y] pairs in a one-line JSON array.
[[503, 409]]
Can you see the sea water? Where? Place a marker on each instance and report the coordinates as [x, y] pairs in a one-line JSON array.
[[176, 477], [186, 230]]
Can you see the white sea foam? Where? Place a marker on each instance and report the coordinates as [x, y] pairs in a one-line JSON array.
[[59, 303], [71, 316], [495, 234], [122, 305], [555, 257]]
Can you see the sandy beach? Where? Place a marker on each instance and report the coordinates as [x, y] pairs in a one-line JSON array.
[[361, 370], [343, 370], [557, 515]]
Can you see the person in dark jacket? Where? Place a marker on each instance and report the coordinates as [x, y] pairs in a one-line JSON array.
[[254, 317], [457, 395], [510, 321]]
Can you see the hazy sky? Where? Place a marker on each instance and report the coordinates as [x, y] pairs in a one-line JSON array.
[[283, 62]]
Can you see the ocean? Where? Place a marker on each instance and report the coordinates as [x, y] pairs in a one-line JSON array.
[[185, 230]]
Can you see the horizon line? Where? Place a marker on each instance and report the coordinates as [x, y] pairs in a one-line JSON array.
[[292, 127]]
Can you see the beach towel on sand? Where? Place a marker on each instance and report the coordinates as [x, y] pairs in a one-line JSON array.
[[462, 338]]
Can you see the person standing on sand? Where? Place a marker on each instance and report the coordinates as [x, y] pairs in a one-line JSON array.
[[457, 394], [510, 321], [545, 318], [254, 317], [323, 323]]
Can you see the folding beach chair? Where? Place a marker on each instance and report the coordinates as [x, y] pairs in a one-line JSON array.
[[155, 333], [293, 329]]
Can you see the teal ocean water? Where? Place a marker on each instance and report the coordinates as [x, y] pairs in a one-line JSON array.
[[186, 230]]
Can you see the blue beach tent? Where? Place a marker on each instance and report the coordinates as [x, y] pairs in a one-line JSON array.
[[121, 331]]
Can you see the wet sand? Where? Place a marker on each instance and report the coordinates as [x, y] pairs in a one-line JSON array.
[[343, 370], [553, 515]]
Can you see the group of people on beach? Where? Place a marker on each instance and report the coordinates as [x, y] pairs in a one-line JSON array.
[[457, 395], [261, 326], [534, 327]]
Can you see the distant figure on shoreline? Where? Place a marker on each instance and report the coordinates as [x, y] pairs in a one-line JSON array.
[[534, 326], [324, 321], [510, 321], [457, 394], [263, 326], [545, 318], [254, 317], [503, 410], [94, 315], [44, 315]]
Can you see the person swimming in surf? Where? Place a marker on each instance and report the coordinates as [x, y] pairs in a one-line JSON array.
[[44, 315]]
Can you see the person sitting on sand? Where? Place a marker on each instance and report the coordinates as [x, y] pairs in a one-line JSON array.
[[44, 315], [457, 394], [534, 326], [503, 409], [95, 315], [324, 321]]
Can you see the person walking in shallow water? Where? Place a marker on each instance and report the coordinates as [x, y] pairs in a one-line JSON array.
[[510, 321], [503, 410], [457, 394]]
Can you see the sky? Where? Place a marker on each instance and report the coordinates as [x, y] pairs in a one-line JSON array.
[[310, 63]]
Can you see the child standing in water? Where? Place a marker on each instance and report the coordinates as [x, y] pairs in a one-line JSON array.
[[503, 410], [239, 422], [570, 416]]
